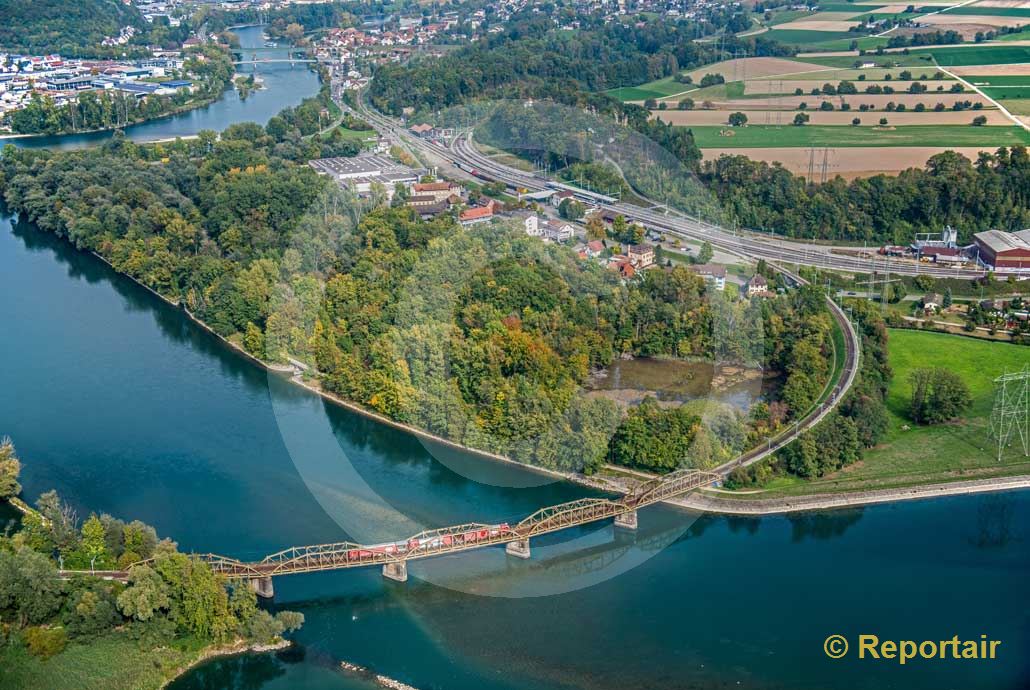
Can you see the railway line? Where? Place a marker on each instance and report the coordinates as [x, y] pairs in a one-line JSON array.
[[461, 153]]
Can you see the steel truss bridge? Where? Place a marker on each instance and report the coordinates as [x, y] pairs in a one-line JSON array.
[[394, 556]]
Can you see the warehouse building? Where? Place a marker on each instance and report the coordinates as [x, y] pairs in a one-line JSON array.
[[1004, 252]]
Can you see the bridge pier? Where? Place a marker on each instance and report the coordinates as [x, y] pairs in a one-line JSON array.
[[518, 548], [397, 571], [626, 520], [262, 586]]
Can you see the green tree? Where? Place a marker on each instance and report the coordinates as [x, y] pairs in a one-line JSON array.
[[938, 395], [146, 595], [737, 119], [30, 592], [10, 469], [705, 253]]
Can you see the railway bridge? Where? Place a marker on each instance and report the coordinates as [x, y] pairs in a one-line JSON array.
[[394, 556]]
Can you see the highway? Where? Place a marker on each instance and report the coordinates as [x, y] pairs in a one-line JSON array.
[[463, 156]]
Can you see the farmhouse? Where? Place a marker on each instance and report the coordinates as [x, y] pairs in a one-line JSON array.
[[1004, 251]]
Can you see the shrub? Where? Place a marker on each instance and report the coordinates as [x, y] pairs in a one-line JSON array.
[[45, 642]]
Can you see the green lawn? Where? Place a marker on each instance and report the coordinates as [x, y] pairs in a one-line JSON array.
[[764, 136], [113, 662], [864, 43], [913, 454]]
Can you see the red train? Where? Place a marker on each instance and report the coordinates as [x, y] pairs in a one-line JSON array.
[[397, 547]]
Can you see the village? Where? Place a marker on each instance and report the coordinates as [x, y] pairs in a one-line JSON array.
[[555, 216]]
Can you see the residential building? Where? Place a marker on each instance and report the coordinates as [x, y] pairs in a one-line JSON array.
[[757, 285], [558, 230], [641, 255], [714, 275], [476, 214]]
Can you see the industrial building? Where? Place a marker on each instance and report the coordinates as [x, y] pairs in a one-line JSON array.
[[361, 172], [1004, 251]]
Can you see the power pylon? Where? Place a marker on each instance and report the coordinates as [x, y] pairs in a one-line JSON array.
[[1011, 413]]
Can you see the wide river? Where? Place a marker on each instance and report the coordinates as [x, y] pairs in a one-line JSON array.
[[284, 84], [123, 405]]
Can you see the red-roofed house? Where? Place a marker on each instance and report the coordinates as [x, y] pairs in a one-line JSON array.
[[477, 214]]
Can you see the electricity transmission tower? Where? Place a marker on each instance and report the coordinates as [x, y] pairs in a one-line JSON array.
[[1011, 413]]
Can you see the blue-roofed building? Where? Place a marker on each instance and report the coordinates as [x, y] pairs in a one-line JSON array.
[[176, 84]]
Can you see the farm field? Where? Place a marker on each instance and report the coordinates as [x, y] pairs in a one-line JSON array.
[[693, 118], [765, 91], [848, 162], [935, 136], [655, 89]]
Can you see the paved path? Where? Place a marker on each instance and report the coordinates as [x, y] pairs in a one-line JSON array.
[[773, 506]]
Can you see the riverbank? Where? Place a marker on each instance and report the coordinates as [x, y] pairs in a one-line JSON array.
[[178, 110], [709, 503], [622, 485], [221, 651]]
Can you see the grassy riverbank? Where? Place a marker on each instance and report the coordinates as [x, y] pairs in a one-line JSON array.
[[113, 662], [912, 455]]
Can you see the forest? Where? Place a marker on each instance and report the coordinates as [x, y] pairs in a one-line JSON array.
[[991, 192], [531, 58], [481, 337], [73, 28]]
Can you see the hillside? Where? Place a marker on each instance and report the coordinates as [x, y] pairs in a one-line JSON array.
[[69, 27]]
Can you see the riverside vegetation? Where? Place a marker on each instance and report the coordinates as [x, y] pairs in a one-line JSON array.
[[483, 338], [85, 632]]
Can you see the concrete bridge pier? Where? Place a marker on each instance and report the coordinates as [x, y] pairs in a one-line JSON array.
[[262, 586], [518, 548], [626, 520], [397, 571]]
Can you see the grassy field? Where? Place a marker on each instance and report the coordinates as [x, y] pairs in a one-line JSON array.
[[978, 10], [766, 136], [1008, 93], [1001, 80], [804, 38], [656, 89], [1023, 35], [985, 55], [913, 454], [1018, 107], [887, 60], [114, 662]]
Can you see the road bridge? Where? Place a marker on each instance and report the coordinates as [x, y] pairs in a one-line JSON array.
[[263, 61]]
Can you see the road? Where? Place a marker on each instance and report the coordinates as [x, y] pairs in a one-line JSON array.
[[462, 152]]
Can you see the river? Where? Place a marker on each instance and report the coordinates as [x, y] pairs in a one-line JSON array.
[[284, 85], [123, 405]]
